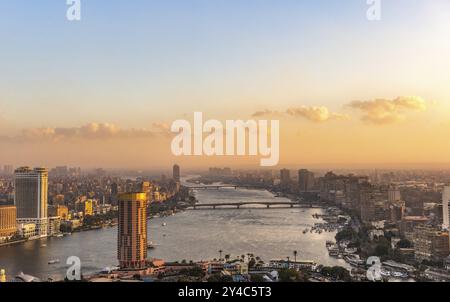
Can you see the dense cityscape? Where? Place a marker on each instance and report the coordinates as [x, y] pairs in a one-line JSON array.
[[214, 149], [400, 217]]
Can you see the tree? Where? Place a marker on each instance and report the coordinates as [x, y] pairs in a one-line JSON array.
[[346, 234], [257, 278], [404, 244], [382, 248], [220, 254], [295, 256], [252, 263], [218, 278], [337, 273], [291, 275]]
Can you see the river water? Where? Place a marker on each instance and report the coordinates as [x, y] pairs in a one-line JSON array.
[[190, 235]]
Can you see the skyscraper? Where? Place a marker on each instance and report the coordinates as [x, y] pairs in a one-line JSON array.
[[394, 194], [445, 206], [8, 169], [176, 173], [30, 198], [8, 225], [132, 232], [285, 179], [305, 180]]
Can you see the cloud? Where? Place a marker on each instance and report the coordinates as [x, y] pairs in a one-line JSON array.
[[315, 114], [386, 111], [92, 131], [266, 112], [163, 129]]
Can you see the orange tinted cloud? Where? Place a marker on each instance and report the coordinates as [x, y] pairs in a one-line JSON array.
[[88, 131], [385, 111], [316, 114]]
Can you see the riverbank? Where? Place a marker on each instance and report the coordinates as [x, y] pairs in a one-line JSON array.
[[13, 242]]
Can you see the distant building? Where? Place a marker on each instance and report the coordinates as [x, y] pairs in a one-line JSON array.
[[8, 225], [397, 210], [132, 231], [8, 170], [285, 179], [408, 225], [31, 191], [305, 180], [176, 173], [430, 244], [62, 212], [54, 225], [445, 206], [394, 195], [88, 208], [27, 230]]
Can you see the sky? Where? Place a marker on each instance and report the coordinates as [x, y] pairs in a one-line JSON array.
[[102, 92]]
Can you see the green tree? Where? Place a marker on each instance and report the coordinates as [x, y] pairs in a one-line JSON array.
[[290, 275], [404, 244], [336, 273], [219, 278]]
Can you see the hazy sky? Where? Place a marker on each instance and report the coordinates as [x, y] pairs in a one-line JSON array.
[[102, 91]]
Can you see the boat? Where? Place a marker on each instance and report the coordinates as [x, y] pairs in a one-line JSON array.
[[44, 245], [151, 246], [59, 235], [350, 250], [164, 224], [55, 261], [354, 260]]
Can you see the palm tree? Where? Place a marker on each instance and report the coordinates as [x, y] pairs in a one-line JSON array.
[[288, 262], [295, 256], [220, 252], [227, 258]]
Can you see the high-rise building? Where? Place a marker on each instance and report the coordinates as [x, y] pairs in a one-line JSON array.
[[445, 206], [132, 231], [8, 226], [305, 180], [30, 198], [176, 173], [89, 207], [430, 243], [394, 194], [8, 169], [2, 276], [285, 179]]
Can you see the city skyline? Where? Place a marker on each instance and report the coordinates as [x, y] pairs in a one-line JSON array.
[[348, 92]]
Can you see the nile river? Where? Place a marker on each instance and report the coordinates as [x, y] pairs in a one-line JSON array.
[[190, 235]]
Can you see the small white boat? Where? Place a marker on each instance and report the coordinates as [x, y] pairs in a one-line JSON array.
[[55, 261], [164, 224]]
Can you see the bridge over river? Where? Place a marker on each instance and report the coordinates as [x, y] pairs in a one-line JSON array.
[[239, 205], [218, 187]]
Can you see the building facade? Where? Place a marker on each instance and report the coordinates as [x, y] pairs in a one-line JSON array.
[[132, 231], [30, 197], [8, 225], [305, 180], [445, 206], [430, 244], [176, 173]]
